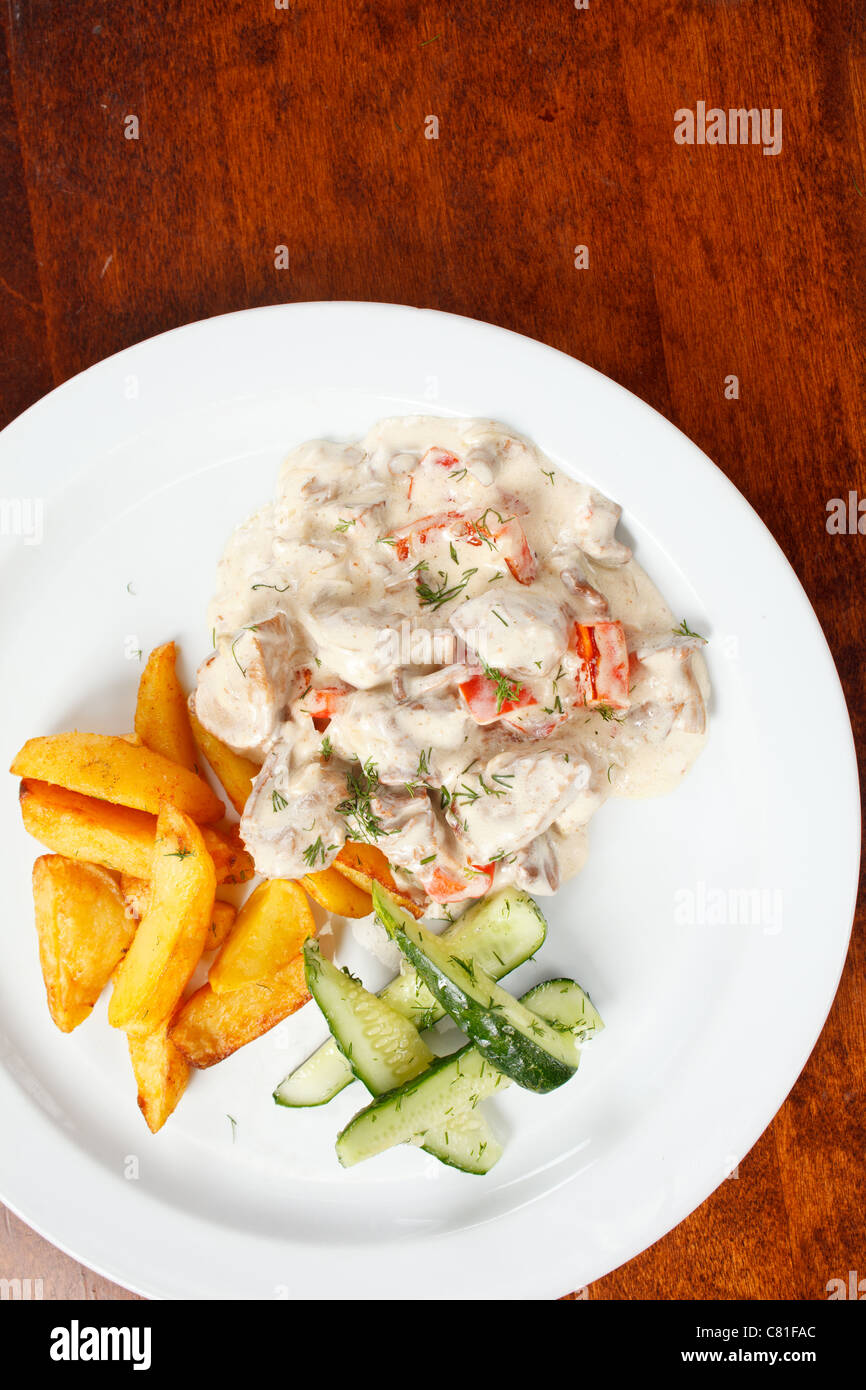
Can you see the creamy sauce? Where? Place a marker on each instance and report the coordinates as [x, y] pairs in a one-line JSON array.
[[433, 640]]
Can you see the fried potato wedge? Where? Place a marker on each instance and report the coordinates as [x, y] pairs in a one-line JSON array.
[[172, 933], [337, 893], [223, 919], [82, 827], [209, 1027], [270, 930], [232, 862], [84, 931], [365, 865], [161, 1073], [234, 772], [136, 894], [115, 770], [161, 717]]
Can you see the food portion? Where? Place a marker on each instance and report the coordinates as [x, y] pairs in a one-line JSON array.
[[418, 1097], [433, 643], [434, 661], [129, 894]]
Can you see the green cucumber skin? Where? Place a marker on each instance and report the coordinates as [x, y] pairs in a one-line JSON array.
[[500, 1026], [332, 990], [552, 1000], [360, 1140], [566, 998], [419, 1006], [511, 1052], [386, 1052]]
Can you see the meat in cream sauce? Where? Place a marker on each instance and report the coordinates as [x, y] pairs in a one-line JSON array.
[[433, 640]]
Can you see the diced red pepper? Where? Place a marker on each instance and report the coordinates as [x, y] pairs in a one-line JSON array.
[[325, 701], [444, 886], [516, 551], [482, 700], [603, 664], [418, 533], [440, 457]]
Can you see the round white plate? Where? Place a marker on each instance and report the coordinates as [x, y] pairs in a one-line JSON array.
[[710, 926]]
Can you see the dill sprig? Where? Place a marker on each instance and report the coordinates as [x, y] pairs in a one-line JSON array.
[[356, 809], [506, 688], [685, 631], [443, 593], [315, 851]]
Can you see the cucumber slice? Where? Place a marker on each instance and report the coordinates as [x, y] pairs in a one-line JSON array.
[[429, 1103], [564, 1005], [433, 1100], [497, 933], [525, 1047], [384, 1051]]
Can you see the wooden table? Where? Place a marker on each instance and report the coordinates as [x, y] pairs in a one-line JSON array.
[[306, 126]]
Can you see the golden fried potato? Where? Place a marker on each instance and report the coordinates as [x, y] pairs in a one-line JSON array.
[[117, 771], [161, 1072], [161, 718], [210, 1027], [365, 865], [83, 931], [172, 933], [337, 893], [232, 862], [117, 837], [224, 918], [270, 930], [234, 772], [136, 894]]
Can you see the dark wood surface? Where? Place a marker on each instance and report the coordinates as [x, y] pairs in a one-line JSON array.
[[305, 127]]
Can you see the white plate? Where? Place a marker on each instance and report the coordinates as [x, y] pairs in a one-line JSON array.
[[143, 465]]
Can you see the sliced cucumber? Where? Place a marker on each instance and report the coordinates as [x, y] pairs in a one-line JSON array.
[[567, 1007], [385, 1050], [450, 1086], [525, 1047], [498, 933], [433, 1101]]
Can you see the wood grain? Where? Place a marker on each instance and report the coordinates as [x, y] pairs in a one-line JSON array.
[[304, 127]]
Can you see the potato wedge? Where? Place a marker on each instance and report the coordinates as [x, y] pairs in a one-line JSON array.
[[224, 918], [365, 865], [104, 766], [161, 717], [172, 933], [234, 772], [232, 862], [270, 930], [136, 894], [84, 931], [116, 837], [337, 893], [161, 1073], [210, 1027]]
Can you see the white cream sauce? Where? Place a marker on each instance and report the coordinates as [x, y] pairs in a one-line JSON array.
[[427, 591]]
